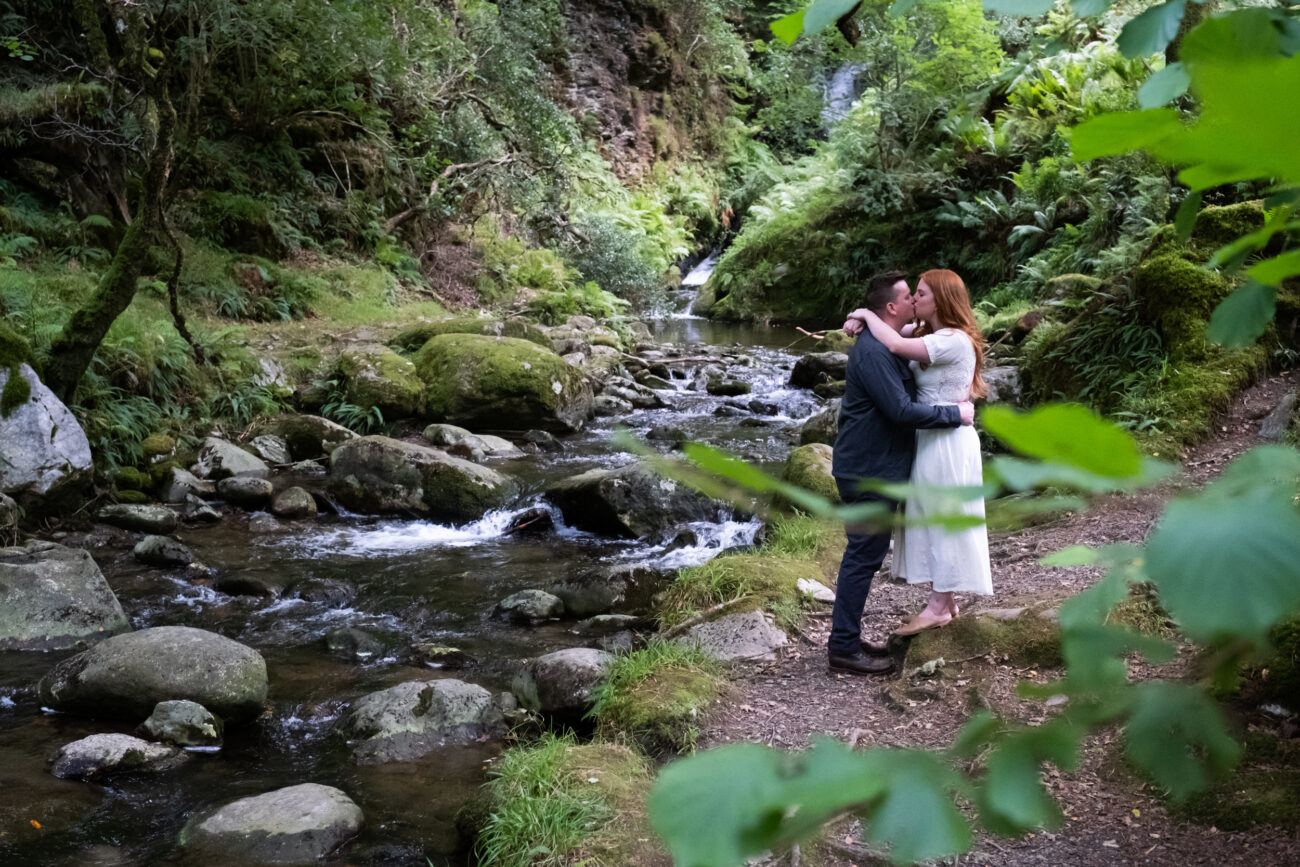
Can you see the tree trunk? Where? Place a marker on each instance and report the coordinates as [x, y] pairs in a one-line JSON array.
[[75, 346]]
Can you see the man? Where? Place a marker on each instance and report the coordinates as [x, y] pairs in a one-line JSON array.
[[879, 417]]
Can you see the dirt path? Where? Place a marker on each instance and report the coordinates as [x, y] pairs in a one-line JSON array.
[[1110, 818]]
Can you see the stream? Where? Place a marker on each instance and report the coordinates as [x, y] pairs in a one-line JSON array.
[[403, 581]]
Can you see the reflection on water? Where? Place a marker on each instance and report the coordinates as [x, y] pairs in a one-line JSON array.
[[405, 582]]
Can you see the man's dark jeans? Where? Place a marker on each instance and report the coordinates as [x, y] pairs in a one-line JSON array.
[[862, 557]]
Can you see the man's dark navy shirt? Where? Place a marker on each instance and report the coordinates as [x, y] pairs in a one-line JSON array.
[[879, 415]]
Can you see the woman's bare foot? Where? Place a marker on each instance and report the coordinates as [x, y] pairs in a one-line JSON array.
[[923, 621]]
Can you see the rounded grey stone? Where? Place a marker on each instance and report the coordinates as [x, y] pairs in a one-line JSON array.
[[162, 551], [104, 754], [127, 675], [158, 520], [293, 503], [295, 825], [54, 598], [531, 606], [562, 683], [408, 720], [248, 492]]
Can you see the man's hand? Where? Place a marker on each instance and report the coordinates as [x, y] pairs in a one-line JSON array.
[[967, 410]]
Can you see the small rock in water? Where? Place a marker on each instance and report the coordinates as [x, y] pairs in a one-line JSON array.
[[666, 433], [354, 645], [293, 503], [531, 606], [562, 683], [184, 723], [727, 387], [163, 551], [328, 592], [547, 442], [685, 538], [604, 624], [264, 523], [104, 754], [295, 825], [439, 656], [725, 411], [763, 407], [140, 519], [606, 405], [247, 584], [198, 512], [755, 422]]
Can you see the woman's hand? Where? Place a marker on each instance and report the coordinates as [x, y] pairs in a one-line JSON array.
[[856, 322]]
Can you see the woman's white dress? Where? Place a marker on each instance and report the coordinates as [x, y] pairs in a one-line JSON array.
[[950, 560]]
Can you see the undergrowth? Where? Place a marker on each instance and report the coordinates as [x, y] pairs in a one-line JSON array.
[[658, 696]]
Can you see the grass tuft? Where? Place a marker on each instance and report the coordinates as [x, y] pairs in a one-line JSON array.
[[658, 695]]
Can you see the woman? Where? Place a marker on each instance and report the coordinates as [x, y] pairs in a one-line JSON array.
[[946, 351]]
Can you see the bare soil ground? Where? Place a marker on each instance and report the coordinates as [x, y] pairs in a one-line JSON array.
[[1111, 817]]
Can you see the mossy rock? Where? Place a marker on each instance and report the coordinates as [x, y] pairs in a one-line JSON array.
[[1032, 638], [1278, 678], [501, 383], [134, 498], [131, 479], [809, 467], [662, 713], [157, 446], [1177, 296], [836, 341], [14, 352], [1072, 287], [1218, 225], [413, 338], [758, 581], [377, 376]]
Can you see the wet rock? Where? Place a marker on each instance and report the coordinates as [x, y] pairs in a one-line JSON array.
[[605, 624], [607, 588], [198, 512], [606, 406], [326, 592], [271, 448], [415, 337], [562, 683], [9, 513], [101, 755], [544, 440], [309, 437], [180, 484], [809, 467], [54, 598], [531, 606], [127, 675], [375, 375], [439, 656], [532, 522], [501, 382], [183, 723], [158, 520], [748, 635], [659, 383], [829, 390], [630, 501], [755, 422], [818, 367], [158, 447], [667, 434], [295, 825], [163, 551], [376, 475], [763, 407], [726, 411], [408, 720], [1004, 384], [822, 427], [261, 522], [637, 395], [354, 645], [246, 583], [219, 459], [293, 503], [46, 453], [246, 492], [727, 387]]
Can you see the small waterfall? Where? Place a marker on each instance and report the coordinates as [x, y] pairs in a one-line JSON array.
[[840, 92], [685, 297]]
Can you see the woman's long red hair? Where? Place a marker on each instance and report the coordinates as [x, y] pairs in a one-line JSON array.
[[952, 308]]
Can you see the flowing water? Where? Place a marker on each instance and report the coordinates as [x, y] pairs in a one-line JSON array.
[[403, 581]]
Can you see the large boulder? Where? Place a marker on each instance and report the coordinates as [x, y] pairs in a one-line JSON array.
[[631, 501], [295, 825], [219, 459], [562, 683], [375, 475], [375, 375], [809, 467], [54, 598], [127, 675], [408, 720], [817, 367], [44, 451], [100, 755], [501, 383], [1004, 384], [622, 587], [415, 337], [309, 437]]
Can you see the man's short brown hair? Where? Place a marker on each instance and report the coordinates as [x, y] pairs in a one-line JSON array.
[[880, 290]]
